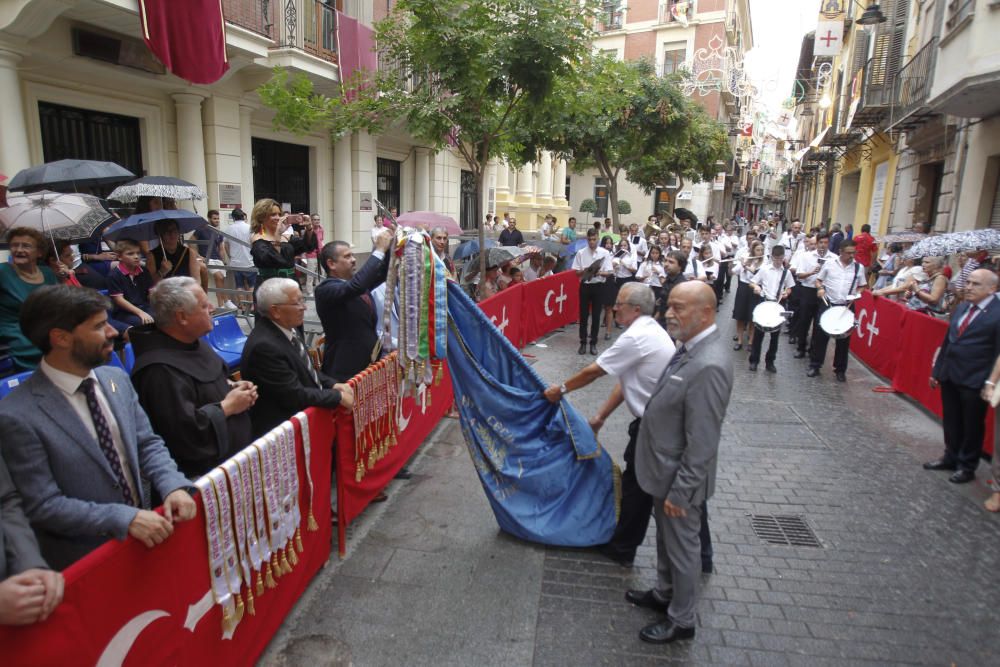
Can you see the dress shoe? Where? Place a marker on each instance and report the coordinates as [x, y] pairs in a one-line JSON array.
[[841, 377], [812, 372], [404, 473], [665, 632], [607, 335], [583, 349], [770, 368], [593, 348], [753, 367], [738, 346], [647, 599], [611, 553], [792, 340], [962, 477], [707, 567], [800, 355], [380, 498], [940, 464]]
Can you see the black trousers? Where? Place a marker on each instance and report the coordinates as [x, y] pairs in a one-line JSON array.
[[591, 297], [728, 276], [964, 422], [817, 353], [808, 316], [637, 508], [719, 285], [758, 343], [794, 305]]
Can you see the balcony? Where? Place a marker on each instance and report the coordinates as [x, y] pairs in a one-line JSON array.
[[310, 25], [257, 16], [611, 17], [676, 11], [913, 89], [876, 95]]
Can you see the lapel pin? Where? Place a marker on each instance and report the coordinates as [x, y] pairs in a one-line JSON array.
[[114, 389]]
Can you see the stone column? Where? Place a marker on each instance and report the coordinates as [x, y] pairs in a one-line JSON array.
[[14, 153], [343, 190], [363, 163], [503, 189], [246, 156], [559, 184], [422, 179], [525, 183], [190, 139], [544, 192]]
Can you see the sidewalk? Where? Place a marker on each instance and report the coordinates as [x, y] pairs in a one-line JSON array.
[[904, 574]]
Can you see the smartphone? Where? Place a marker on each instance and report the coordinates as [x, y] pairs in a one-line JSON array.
[[293, 219]]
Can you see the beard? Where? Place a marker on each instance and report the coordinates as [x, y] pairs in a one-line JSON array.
[[91, 357]]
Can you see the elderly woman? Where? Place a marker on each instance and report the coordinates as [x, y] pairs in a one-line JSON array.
[[924, 293], [19, 278]]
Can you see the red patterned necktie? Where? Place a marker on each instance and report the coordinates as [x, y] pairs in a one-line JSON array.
[[104, 438], [968, 320]]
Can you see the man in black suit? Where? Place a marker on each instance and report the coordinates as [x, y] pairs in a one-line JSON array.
[[961, 370], [512, 235], [346, 308], [275, 359]]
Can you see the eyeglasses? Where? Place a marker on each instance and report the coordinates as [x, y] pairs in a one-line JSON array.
[[22, 246], [293, 304]]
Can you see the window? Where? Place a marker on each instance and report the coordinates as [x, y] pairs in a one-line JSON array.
[[601, 197], [611, 16], [674, 56]]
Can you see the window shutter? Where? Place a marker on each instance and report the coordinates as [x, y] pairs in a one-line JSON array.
[[995, 213], [897, 41], [860, 52]]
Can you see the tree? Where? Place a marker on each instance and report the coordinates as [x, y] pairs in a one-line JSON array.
[[470, 74], [611, 114], [624, 207], [691, 155], [588, 206]]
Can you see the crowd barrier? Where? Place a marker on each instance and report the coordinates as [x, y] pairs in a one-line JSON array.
[[900, 344], [125, 604]]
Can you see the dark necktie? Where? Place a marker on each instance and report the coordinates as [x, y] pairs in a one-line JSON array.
[[676, 359], [300, 348], [968, 320], [104, 438]]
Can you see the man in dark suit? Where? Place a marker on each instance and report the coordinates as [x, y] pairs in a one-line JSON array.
[[961, 369], [511, 235], [29, 590], [275, 359], [676, 455], [78, 444], [346, 308]]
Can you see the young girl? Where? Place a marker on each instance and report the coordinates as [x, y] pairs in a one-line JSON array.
[[652, 272], [745, 268], [610, 291]]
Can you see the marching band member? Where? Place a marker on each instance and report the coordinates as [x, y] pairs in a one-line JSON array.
[[807, 267], [637, 242], [652, 272], [836, 281], [746, 267], [774, 282]]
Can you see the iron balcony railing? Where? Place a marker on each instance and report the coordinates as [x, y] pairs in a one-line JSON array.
[[876, 94], [684, 9], [253, 15], [310, 25], [913, 83]]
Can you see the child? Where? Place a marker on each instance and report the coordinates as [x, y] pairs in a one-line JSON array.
[[129, 285]]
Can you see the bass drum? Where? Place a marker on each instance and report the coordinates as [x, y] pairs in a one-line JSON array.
[[837, 322], [769, 316]]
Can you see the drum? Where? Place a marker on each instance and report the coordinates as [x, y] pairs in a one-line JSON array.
[[837, 321], [769, 316]]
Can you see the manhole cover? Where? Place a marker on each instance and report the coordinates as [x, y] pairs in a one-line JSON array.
[[787, 530]]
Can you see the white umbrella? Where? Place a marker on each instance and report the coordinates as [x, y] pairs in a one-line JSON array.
[[948, 244], [70, 216]]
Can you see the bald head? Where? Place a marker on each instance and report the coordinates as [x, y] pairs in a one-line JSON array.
[[690, 309], [981, 284]]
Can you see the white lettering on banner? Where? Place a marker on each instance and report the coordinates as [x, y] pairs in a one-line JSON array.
[[872, 326], [197, 610], [118, 648], [404, 420], [559, 300], [503, 320]]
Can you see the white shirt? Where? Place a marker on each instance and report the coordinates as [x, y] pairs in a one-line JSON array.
[[239, 254], [638, 244], [792, 241], [585, 257], [695, 269], [638, 358], [809, 261], [691, 344], [744, 273], [625, 265], [769, 279], [837, 280], [651, 273], [69, 385], [716, 247], [546, 230]]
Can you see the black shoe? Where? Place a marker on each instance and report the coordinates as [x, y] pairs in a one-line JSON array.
[[812, 373], [841, 377], [706, 567], [770, 368], [647, 599], [611, 553], [665, 632], [793, 340], [753, 367], [800, 355], [962, 477], [404, 473], [583, 349], [593, 348], [738, 346], [940, 464], [607, 335]]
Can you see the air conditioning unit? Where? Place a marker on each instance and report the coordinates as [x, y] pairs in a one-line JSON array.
[[116, 50]]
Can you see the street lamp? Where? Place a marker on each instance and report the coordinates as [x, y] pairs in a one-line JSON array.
[[872, 15]]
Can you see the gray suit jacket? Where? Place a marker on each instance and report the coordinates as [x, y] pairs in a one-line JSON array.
[[18, 546], [678, 443], [70, 494]]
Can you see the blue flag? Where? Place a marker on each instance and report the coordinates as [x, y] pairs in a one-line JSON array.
[[545, 475]]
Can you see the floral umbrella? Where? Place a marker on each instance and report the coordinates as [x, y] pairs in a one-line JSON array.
[[71, 216], [948, 244]]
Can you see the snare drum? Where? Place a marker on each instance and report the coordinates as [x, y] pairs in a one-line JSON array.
[[768, 316], [837, 321]]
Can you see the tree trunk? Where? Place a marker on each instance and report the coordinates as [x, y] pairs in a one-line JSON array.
[[479, 173]]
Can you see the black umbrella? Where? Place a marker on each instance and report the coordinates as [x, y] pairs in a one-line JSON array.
[[63, 174], [685, 214], [157, 186]]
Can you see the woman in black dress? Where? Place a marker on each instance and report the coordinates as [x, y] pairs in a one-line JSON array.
[[746, 267], [272, 251]]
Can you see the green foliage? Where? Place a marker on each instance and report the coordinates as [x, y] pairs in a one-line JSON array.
[[588, 206], [624, 208]]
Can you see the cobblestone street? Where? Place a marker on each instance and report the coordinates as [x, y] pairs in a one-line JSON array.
[[904, 572]]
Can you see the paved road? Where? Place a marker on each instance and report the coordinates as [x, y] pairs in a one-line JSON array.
[[905, 571]]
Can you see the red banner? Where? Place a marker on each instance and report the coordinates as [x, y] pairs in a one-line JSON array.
[[126, 604], [876, 337], [918, 342], [548, 304], [504, 309]]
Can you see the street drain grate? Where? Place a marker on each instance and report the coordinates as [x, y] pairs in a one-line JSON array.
[[786, 530]]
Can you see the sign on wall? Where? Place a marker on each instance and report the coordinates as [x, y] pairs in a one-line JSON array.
[[878, 195], [230, 195]]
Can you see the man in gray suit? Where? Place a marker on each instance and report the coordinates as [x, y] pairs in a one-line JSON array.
[[76, 440], [29, 590], [676, 456]]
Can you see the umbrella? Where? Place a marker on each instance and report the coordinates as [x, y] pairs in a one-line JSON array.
[[139, 227], [904, 237], [70, 216], [947, 244], [157, 186], [429, 220], [69, 174], [684, 214], [494, 257], [470, 248], [573, 247], [548, 247]]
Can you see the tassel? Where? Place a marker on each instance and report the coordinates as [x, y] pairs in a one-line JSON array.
[[312, 525], [283, 565], [250, 606], [227, 621], [269, 577], [293, 558], [298, 538], [437, 378], [260, 583], [240, 609]]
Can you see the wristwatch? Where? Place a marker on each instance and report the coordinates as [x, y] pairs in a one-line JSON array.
[[563, 390]]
